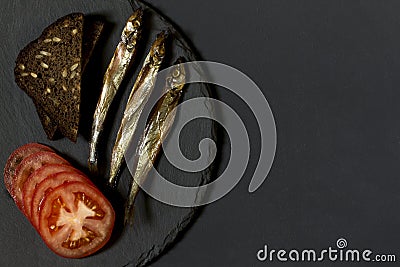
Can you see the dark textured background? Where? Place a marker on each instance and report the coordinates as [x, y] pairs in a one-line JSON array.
[[329, 70]]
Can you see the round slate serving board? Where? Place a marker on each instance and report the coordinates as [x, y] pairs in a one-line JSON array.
[[156, 224]]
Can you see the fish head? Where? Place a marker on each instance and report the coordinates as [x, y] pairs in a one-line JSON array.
[[177, 76], [133, 28], [157, 51]]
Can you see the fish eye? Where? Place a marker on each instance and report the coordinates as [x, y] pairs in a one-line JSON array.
[[129, 26], [161, 51], [176, 73]]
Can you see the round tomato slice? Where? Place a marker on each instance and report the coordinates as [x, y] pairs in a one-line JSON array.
[[36, 177], [15, 159], [47, 185], [27, 167], [76, 220]]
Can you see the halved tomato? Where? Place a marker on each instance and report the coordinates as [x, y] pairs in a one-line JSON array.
[[15, 159], [36, 177], [27, 167], [47, 185], [76, 220]]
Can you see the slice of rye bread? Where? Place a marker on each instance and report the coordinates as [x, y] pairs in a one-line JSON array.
[[92, 30], [49, 70]]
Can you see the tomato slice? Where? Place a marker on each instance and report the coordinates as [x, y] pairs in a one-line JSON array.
[[27, 167], [36, 177], [76, 220], [15, 159], [47, 185]]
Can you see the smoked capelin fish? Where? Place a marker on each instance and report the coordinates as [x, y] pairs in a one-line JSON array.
[[157, 129], [137, 100], [120, 63]]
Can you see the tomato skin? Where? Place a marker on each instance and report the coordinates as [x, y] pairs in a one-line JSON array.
[[15, 159], [36, 177], [27, 167], [47, 185], [100, 227]]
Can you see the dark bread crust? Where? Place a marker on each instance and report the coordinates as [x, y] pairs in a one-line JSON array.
[[56, 54], [92, 30]]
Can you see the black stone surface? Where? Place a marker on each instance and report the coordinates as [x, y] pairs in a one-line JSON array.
[[156, 224]]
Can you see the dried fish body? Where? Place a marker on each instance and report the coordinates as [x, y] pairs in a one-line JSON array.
[[156, 130], [138, 97], [120, 62]]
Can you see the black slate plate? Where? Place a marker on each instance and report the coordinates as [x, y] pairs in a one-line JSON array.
[[157, 224]]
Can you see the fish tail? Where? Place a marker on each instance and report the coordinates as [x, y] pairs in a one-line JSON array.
[[92, 161], [129, 206]]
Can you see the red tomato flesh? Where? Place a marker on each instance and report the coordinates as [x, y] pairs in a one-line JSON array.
[[27, 167], [36, 177], [47, 185], [15, 159], [76, 220]]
